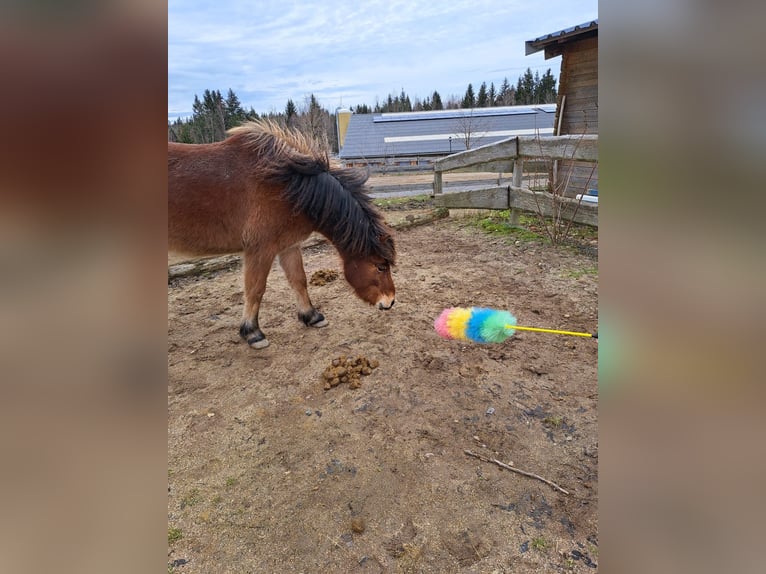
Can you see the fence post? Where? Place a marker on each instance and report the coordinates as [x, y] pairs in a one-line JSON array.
[[518, 171], [437, 182]]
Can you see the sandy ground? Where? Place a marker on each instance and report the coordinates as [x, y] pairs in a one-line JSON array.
[[270, 472]]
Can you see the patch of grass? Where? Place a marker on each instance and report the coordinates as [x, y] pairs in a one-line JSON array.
[[577, 273], [231, 481], [539, 544], [497, 223], [174, 535], [192, 498], [553, 421], [532, 227], [412, 201]]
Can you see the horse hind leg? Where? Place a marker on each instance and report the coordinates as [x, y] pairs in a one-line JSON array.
[[256, 270], [291, 262]]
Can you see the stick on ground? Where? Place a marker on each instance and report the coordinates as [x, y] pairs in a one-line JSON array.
[[517, 470]]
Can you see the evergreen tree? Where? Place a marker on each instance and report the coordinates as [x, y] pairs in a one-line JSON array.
[[482, 99], [233, 112], [492, 94], [208, 117], [525, 88], [291, 113], [436, 101], [469, 100], [504, 95], [545, 91], [404, 103]]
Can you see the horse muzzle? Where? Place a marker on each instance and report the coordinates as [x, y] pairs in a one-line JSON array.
[[386, 304]]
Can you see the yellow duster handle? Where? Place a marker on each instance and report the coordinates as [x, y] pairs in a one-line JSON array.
[[594, 335]]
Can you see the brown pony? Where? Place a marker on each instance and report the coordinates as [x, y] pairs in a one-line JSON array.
[[264, 190]]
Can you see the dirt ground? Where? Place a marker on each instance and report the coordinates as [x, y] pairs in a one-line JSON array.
[[268, 471]]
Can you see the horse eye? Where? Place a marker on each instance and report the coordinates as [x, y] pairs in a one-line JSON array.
[[382, 267]]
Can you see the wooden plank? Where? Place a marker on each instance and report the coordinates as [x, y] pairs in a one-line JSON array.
[[504, 166], [520, 199], [542, 204], [203, 266], [490, 198], [497, 166], [540, 149], [583, 45], [581, 147], [582, 57], [588, 127], [502, 150], [583, 90]]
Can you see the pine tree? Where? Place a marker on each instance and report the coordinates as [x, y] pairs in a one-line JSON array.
[[482, 100], [436, 101], [492, 94], [525, 88], [291, 113], [233, 112], [546, 89], [208, 117], [504, 96], [469, 100], [405, 105]]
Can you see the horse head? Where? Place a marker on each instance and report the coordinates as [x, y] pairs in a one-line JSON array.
[[371, 279]]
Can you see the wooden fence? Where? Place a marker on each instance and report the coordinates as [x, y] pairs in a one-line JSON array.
[[516, 197]]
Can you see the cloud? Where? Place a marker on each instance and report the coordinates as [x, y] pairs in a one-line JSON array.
[[270, 52]]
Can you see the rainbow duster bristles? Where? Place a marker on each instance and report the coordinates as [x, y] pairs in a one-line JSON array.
[[476, 324]]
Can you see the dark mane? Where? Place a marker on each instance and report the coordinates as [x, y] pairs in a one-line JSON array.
[[332, 197]]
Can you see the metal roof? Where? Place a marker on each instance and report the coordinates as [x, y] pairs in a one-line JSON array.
[[532, 46], [440, 132]]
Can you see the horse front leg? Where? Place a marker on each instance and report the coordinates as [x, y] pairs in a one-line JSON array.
[[256, 269], [291, 261]]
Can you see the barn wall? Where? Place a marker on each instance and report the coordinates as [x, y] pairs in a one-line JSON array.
[[578, 80]]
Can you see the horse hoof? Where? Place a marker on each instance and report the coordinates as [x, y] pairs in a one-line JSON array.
[[313, 319], [258, 343]]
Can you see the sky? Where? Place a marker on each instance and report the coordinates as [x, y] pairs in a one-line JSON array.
[[353, 53]]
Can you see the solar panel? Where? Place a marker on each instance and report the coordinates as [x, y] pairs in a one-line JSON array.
[[463, 113]]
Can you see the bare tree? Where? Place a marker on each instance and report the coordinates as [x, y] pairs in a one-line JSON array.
[[470, 129], [315, 121]]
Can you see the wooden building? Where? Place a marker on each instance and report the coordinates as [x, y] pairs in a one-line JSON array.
[[577, 103]]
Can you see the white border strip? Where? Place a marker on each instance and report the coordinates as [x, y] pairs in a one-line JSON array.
[[474, 136]]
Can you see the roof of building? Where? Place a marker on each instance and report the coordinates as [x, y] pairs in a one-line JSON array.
[[441, 132], [560, 37]]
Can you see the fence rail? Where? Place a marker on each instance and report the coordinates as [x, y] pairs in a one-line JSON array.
[[515, 196]]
